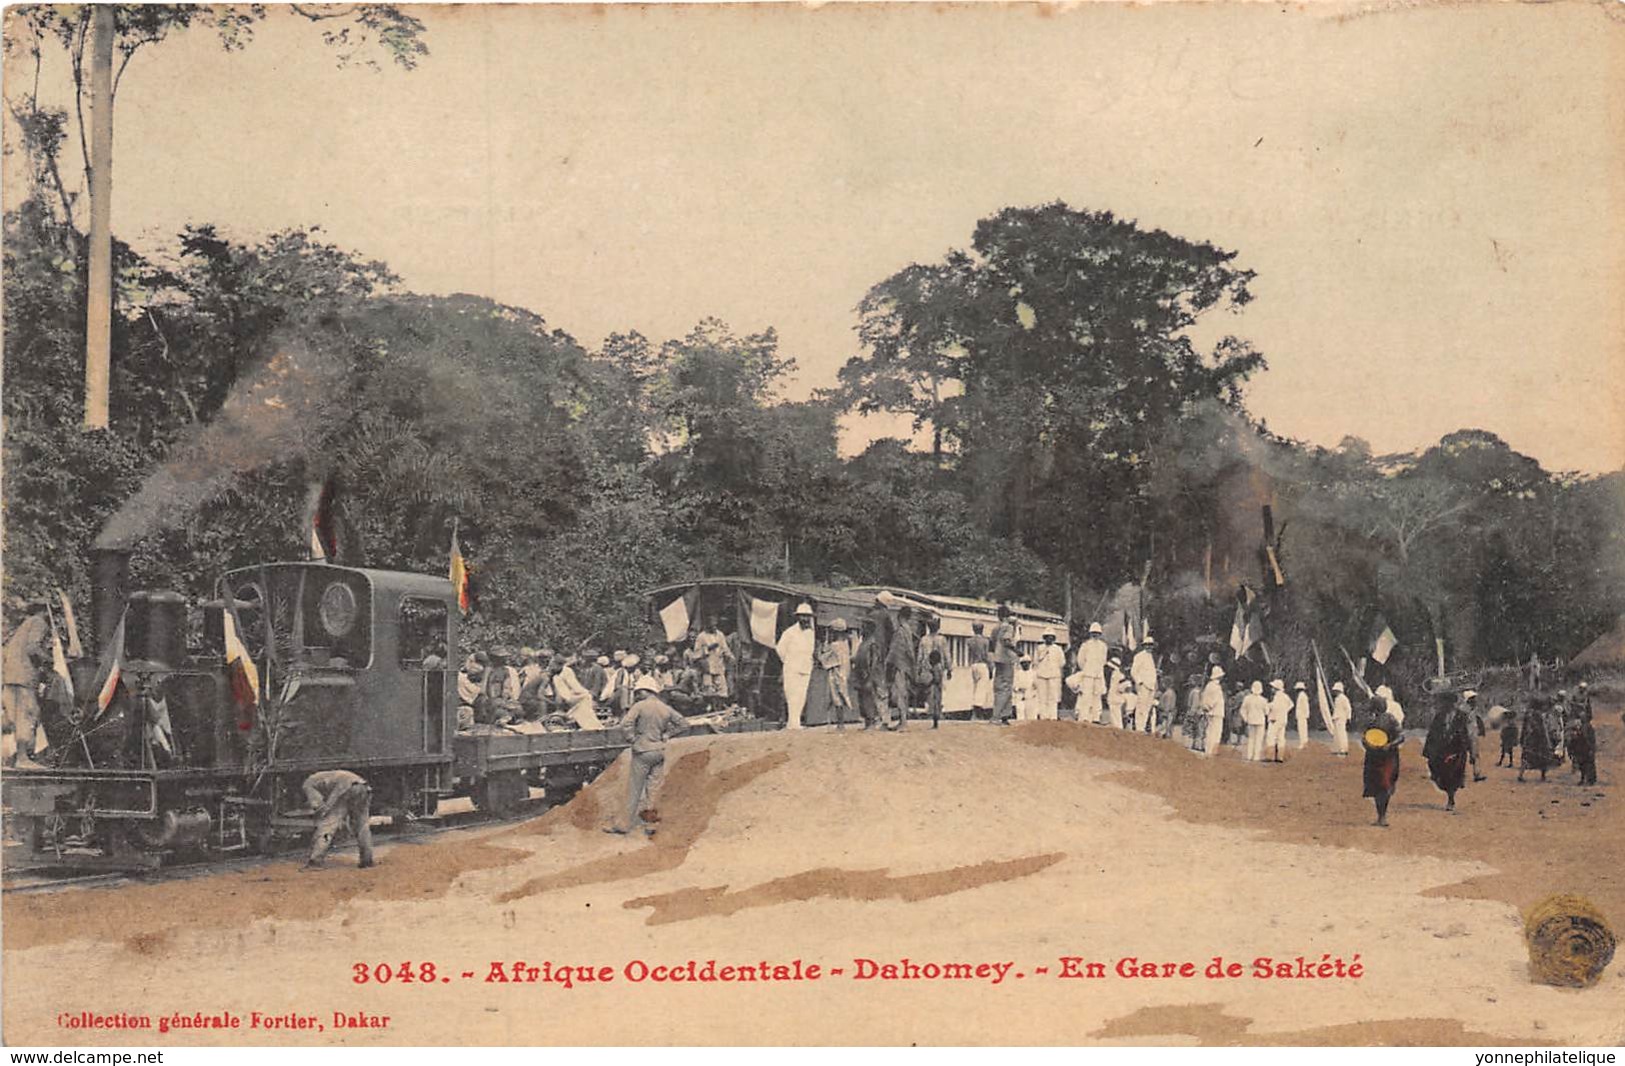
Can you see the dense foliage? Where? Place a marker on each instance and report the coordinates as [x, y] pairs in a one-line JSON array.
[[1084, 442]]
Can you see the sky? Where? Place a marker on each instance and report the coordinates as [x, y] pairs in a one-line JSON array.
[[1431, 197]]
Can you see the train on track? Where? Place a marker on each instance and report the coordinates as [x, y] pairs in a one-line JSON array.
[[356, 669], [177, 763]]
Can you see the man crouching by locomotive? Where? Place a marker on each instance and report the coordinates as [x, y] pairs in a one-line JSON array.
[[339, 798]]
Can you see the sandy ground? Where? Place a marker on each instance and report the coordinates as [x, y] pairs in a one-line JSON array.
[[967, 845]]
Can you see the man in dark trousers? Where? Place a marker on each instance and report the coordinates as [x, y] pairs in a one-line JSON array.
[[869, 674], [339, 798], [652, 721], [900, 659], [1005, 654], [1583, 745]]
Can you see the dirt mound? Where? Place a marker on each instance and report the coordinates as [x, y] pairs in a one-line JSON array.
[[687, 801]]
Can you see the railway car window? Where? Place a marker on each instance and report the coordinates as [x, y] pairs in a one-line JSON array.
[[423, 633]]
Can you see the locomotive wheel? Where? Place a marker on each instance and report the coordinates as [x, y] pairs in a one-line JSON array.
[[501, 793]]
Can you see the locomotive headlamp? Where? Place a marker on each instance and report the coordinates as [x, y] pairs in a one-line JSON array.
[[338, 609]]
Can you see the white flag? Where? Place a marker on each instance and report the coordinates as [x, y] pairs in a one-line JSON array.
[[1384, 646], [1322, 696], [764, 622], [159, 729], [674, 616]]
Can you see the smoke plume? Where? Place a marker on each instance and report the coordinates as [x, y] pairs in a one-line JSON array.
[[274, 412]]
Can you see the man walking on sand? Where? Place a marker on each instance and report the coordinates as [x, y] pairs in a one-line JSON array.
[[652, 722]]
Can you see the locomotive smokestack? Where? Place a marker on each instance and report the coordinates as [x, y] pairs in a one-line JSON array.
[[109, 590]]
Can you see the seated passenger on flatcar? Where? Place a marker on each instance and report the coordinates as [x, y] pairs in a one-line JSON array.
[[471, 690]]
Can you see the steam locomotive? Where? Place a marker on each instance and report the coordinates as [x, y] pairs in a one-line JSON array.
[[355, 671]]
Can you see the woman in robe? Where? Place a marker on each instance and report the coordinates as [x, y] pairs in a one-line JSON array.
[[1536, 741], [1381, 738], [1447, 748]]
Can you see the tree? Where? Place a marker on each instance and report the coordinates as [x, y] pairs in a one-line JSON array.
[[1049, 360], [126, 29]]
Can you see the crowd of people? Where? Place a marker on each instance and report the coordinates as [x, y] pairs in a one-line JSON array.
[[894, 665], [589, 689]]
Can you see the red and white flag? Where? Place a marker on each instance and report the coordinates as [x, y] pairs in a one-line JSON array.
[[319, 521], [111, 673], [75, 650], [241, 673]]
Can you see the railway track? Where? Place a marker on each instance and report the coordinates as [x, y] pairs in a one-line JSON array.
[[456, 815]]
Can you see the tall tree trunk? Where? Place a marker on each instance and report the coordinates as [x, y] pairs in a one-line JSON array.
[[99, 305]]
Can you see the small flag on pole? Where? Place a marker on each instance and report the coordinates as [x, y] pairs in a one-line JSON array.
[[75, 650], [677, 615], [1358, 675], [461, 580], [319, 521], [1323, 696], [764, 621], [159, 730], [111, 673], [1384, 643], [59, 666], [1248, 628], [1239, 641], [241, 673]]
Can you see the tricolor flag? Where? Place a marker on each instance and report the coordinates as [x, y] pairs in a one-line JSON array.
[[1128, 632], [75, 649], [1248, 628], [59, 665], [1240, 640], [461, 580], [241, 673], [111, 672], [319, 520], [1384, 643]]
